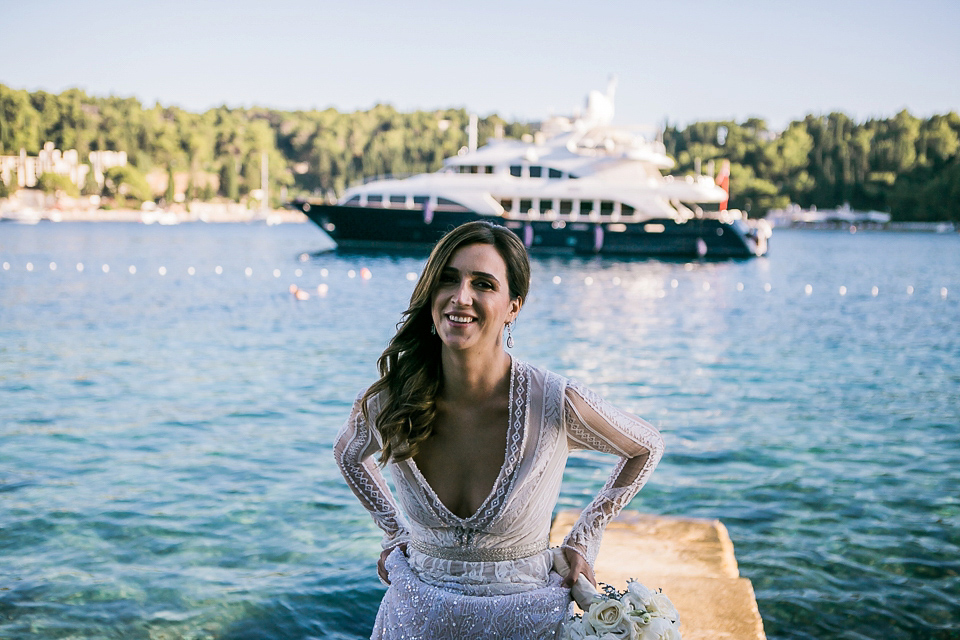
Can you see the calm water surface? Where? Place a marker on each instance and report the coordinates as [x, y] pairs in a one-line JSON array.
[[165, 438]]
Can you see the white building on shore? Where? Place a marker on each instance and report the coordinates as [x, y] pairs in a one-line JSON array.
[[28, 169]]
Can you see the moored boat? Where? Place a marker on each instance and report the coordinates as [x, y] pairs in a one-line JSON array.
[[580, 185]]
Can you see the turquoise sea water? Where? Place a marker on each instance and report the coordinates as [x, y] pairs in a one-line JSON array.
[[165, 465]]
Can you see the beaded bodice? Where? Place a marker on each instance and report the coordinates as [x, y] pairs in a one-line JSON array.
[[549, 416]]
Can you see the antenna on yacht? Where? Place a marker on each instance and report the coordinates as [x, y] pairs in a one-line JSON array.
[[599, 107], [611, 87], [472, 132]]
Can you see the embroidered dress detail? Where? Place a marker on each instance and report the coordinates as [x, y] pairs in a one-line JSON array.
[[630, 437], [490, 575], [414, 609], [354, 450]]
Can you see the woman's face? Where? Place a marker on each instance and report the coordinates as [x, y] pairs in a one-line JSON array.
[[471, 303]]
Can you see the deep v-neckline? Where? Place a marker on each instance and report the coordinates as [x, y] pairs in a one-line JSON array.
[[513, 450]]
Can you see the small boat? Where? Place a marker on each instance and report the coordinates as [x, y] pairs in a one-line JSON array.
[[580, 185], [842, 217], [21, 215]]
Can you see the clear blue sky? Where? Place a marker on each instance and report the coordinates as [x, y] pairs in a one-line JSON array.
[[677, 59]]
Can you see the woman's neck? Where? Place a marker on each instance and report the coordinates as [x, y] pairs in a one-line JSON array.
[[473, 376]]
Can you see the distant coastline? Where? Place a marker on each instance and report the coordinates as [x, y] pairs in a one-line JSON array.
[[903, 165], [213, 214]]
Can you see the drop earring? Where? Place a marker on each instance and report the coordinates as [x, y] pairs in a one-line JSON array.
[[433, 329], [509, 335]]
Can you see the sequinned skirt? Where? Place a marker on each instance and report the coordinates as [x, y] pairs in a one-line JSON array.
[[413, 609]]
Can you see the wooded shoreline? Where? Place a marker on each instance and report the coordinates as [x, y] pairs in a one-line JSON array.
[[903, 165]]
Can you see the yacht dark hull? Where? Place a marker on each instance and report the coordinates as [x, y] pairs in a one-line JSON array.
[[385, 228]]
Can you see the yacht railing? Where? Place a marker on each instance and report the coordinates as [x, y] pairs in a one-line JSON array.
[[384, 176]]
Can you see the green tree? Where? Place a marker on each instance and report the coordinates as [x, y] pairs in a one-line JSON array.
[[229, 188], [127, 182], [90, 186], [19, 122], [171, 192], [51, 182]]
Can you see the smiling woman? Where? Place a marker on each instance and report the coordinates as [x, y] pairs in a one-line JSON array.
[[411, 364], [472, 303], [476, 442]]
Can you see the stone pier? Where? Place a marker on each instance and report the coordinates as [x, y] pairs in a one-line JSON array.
[[690, 559]]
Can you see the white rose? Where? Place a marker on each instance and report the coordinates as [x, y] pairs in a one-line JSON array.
[[609, 620], [661, 606], [639, 593], [626, 631], [606, 616], [574, 630], [659, 629], [640, 616], [631, 604]]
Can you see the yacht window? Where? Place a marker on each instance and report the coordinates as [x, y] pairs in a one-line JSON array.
[[526, 205], [546, 205], [566, 206], [586, 206], [555, 173], [506, 203], [420, 201], [572, 177], [398, 199], [536, 171], [515, 170], [488, 168], [627, 210], [377, 200], [606, 207], [450, 205], [353, 200]]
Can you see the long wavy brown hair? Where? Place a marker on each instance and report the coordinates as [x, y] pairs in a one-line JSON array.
[[410, 369]]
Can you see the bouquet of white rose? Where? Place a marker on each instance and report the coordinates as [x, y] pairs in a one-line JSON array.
[[635, 614]]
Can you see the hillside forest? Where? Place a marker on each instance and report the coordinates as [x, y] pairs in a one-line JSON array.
[[904, 165]]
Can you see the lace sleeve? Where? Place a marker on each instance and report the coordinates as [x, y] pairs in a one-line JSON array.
[[353, 450], [592, 423]]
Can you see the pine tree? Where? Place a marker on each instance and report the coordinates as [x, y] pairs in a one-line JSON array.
[[229, 187], [171, 186]]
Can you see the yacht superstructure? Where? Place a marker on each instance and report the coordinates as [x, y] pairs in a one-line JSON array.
[[578, 185]]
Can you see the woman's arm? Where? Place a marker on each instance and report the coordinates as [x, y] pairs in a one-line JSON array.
[[592, 423], [353, 450]]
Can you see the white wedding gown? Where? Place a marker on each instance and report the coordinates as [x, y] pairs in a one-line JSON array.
[[489, 575]]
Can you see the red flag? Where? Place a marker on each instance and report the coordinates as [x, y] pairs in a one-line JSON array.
[[723, 181]]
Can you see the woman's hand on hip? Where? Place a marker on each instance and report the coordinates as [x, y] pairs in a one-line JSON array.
[[578, 565], [381, 564]]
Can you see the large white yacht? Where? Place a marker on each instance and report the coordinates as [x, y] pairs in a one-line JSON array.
[[579, 185]]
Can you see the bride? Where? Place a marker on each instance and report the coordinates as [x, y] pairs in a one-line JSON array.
[[476, 442]]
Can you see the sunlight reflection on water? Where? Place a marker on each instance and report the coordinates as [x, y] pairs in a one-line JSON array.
[[165, 468]]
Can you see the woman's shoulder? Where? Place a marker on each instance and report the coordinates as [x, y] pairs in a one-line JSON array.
[[536, 371], [543, 381], [373, 399]]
